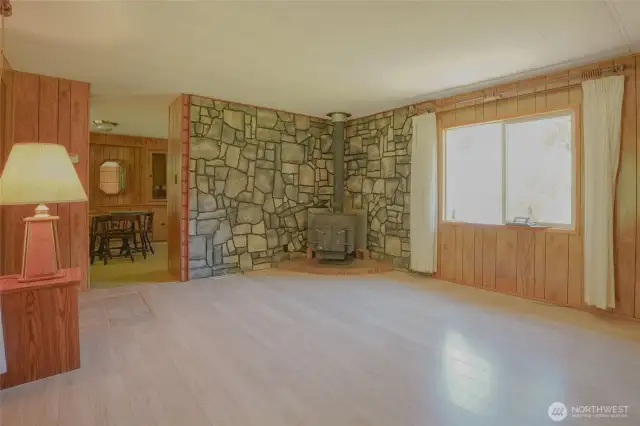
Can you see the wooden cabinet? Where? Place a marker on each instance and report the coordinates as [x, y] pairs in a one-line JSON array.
[[40, 326], [157, 178]]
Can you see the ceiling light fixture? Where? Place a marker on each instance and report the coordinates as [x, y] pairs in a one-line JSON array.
[[104, 125]]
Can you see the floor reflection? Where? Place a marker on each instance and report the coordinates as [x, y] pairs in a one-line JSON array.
[[468, 378]]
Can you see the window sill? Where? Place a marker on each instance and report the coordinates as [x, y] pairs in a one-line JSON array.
[[512, 227]]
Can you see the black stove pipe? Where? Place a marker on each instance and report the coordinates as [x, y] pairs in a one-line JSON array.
[[338, 119]]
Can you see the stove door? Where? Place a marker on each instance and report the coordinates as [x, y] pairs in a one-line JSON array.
[[323, 239], [339, 239]]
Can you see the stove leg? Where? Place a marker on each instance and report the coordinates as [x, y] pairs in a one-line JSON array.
[[309, 253]]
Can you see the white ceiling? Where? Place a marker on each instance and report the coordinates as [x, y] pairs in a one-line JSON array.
[[303, 56]]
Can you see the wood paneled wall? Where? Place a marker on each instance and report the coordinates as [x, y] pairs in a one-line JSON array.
[[134, 153], [52, 110], [538, 264], [178, 188], [6, 134]]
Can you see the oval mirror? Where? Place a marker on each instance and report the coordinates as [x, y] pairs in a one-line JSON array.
[[112, 177]]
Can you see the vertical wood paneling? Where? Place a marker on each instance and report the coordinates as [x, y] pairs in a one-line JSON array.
[[557, 98], [489, 258], [549, 265], [48, 117], [176, 147], [458, 253], [490, 111], [134, 153], [625, 201], [540, 268], [79, 144], [51, 110], [468, 256], [576, 267], [64, 138], [556, 267], [48, 110], [525, 262], [6, 128], [447, 244], [478, 252], [506, 249], [637, 266], [26, 96]]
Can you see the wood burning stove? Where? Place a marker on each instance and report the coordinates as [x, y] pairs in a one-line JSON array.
[[332, 235]]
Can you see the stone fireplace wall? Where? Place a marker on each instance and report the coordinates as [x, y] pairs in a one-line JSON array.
[[254, 172], [378, 177]]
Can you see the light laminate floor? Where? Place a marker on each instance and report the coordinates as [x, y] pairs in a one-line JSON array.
[[273, 350]]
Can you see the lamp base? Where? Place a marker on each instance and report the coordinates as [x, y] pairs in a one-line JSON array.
[[40, 256]]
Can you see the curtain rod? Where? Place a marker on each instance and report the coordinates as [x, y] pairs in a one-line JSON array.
[[586, 75]]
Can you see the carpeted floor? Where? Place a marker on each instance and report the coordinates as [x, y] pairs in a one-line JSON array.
[[119, 272]]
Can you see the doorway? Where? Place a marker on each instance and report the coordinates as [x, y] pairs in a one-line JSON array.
[[129, 189]]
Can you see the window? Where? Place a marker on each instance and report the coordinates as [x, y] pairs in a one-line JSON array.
[[525, 167]]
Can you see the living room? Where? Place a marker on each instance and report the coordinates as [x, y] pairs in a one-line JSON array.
[[376, 213]]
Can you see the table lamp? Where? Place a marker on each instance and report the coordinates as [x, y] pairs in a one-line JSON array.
[[38, 173]]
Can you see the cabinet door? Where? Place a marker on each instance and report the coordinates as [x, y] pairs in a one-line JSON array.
[[159, 223], [157, 177]]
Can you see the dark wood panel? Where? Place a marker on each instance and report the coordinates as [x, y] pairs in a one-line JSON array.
[[79, 144], [48, 117], [556, 267], [525, 262], [177, 114], [576, 268], [506, 247], [26, 97], [540, 266], [489, 258], [625, 206], [458, 253], [6, 135], [637, 268], [447, 251], [468, 256], [41, 330], [64, 138], [134, 152], [478, 251]]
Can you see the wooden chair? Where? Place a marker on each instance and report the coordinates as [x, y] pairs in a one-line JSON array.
[[146, 229], [110, 228], [96, 235]]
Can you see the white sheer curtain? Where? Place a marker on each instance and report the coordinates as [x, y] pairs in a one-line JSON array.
[[424, 193], [602, 115]]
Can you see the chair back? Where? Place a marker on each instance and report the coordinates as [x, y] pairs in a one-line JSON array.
[[116, 225], [147, 222]]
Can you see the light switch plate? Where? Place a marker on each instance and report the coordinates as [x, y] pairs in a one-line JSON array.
[[75, 158]]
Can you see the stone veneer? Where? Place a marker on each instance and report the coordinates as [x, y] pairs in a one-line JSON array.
[[254, 172], [378, 178]]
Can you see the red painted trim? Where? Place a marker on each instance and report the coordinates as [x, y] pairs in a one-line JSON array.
[[184, 177]]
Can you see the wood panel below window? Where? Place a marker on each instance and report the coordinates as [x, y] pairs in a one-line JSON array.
[[536, 264]]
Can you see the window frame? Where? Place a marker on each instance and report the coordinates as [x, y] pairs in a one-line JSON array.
[[576, 140]]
